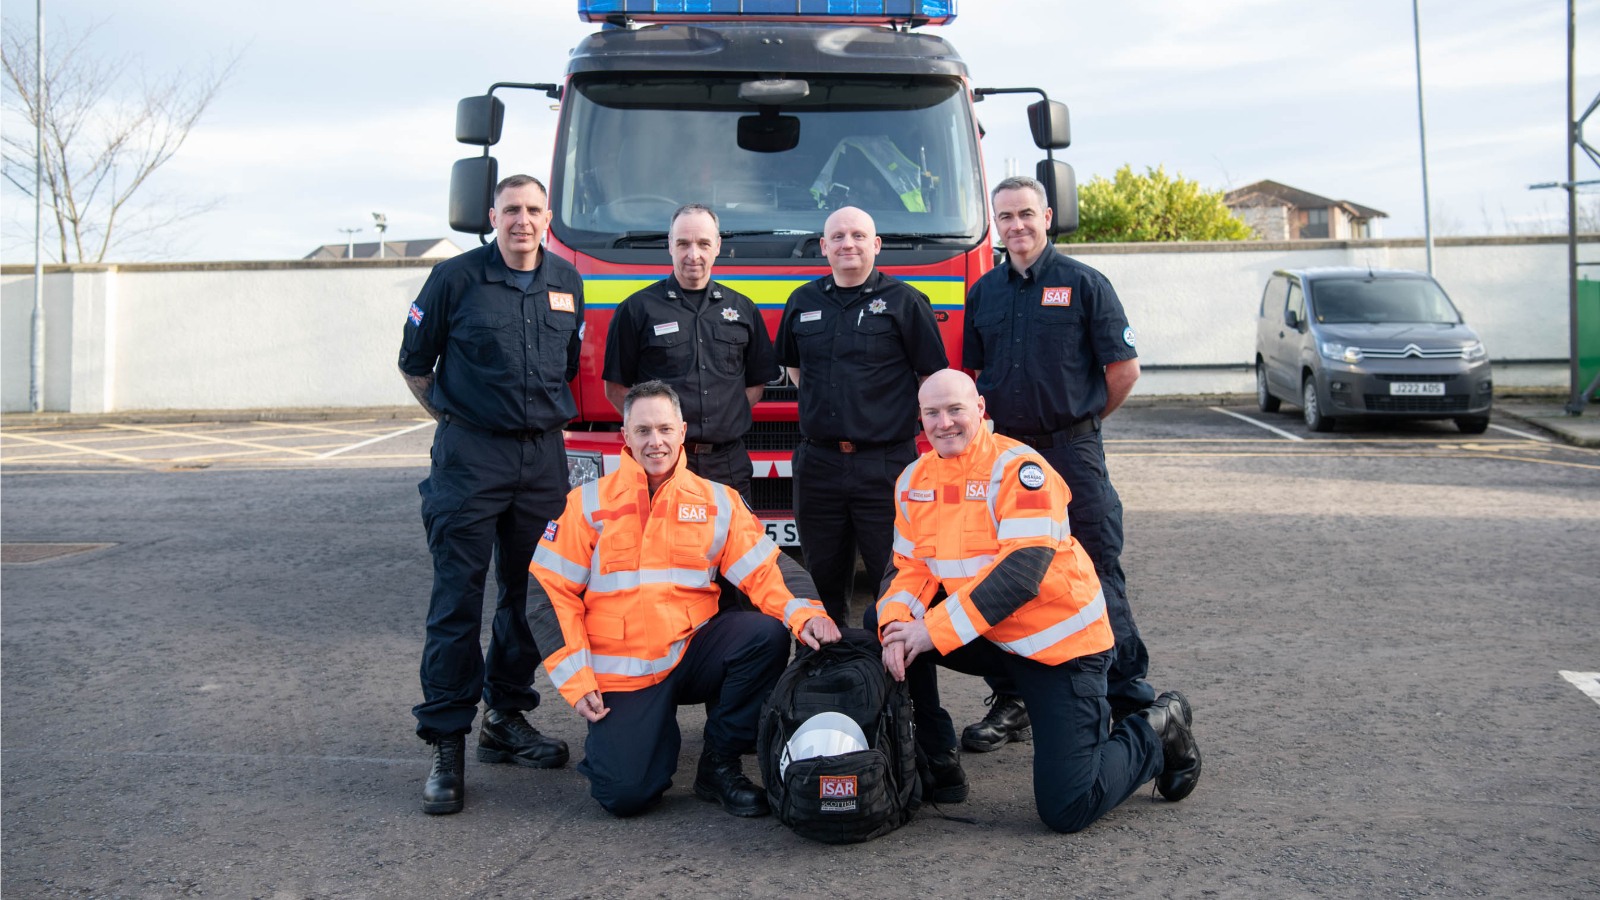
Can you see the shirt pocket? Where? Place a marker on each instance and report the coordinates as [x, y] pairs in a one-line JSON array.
[[555, 335], [484, 341], [877, 338], [665, 356], [728, 346]]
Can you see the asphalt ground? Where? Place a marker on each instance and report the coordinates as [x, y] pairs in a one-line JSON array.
[[212, 697]]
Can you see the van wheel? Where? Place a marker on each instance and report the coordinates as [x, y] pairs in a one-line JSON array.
[[1315, 420], [1473, 424], [1264, 398]]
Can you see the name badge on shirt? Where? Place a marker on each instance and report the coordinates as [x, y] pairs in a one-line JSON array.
[[691, 512], [977, 490], [562, 302], [811, 316], [1057, 296], [920, 496], [667, 328]]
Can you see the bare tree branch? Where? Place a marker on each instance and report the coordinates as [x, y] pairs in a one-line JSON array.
[[108, 127]]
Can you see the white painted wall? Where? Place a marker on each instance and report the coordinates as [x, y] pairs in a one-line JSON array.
[[327, 334]]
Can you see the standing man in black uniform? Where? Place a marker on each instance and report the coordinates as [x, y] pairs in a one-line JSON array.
[[857, 343], [705, 339], [490, 346], [1053, 356]]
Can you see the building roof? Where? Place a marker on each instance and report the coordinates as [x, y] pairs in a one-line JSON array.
[[1272, 193], [423, 249]]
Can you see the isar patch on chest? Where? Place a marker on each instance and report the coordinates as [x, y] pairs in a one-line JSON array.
[[977, 490], [560, 302], [691, 512], [1057, 296]]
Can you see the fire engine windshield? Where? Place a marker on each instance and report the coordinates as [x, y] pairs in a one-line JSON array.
[[636, 147]]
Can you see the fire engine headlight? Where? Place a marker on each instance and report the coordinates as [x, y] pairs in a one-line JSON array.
[[583, 466]]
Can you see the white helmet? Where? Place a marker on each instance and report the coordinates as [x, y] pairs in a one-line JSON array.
[[824, 734]]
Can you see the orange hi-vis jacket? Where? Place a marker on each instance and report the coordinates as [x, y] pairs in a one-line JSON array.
[[622, 581], [970, 523]]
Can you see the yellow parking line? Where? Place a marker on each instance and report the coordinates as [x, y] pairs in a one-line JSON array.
[[324, 429], [74, 447], [208, 439]]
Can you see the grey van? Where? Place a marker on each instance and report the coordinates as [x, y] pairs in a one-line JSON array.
[[1368, 342]]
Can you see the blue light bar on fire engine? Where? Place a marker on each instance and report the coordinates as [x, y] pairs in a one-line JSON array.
[[859, 12]]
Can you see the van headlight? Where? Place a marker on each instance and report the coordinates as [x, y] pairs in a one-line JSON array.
[[583, 466], [1339, 352], [1473, 351]]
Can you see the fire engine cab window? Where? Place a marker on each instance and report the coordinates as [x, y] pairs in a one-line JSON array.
[[632, 151]]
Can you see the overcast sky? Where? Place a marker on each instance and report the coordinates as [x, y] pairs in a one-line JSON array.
[[340, 108]]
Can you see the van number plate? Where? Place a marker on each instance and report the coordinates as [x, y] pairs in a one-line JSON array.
[[783, 532], [1425, 388]]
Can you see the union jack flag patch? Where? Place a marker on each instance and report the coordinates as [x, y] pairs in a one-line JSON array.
[[550, 530], [416, 314]]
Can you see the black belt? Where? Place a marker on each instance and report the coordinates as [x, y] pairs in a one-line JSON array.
[[710, 448], [854, 446], [521, 434], [1051, 439]]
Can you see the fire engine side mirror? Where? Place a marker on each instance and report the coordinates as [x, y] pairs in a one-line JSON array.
[[478, 120], [472, 183], [1061, 189], [1052, 129], [769, 133]]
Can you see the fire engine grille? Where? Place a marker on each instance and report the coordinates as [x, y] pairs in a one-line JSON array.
[[773, 436], [1446, 404], [772, 495], [786, 394]]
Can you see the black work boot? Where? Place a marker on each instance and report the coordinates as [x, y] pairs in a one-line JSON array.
[[945, 781], [1006, 721], [506, 737], [446, 789], [720, 779], [1171, 716]]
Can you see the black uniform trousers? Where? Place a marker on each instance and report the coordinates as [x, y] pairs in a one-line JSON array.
[[487, 497], [729, 465], [730, 665], [1095, 516], [844, 502], [1082, 766]]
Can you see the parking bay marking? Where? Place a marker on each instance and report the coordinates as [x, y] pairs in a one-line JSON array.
[[1277, 431], [382, 437], [1588, 682]]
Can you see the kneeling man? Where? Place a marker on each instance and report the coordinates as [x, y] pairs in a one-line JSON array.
[[623, 602], [985, 517]]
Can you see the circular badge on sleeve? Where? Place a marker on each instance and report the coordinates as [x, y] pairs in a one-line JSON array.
[[1031, 476], [1127, 335]]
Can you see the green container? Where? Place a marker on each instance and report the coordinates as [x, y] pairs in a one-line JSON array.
[[1588, 334]]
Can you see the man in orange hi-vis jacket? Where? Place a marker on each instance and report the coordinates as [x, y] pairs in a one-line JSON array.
[[623, 602], [985, 517]]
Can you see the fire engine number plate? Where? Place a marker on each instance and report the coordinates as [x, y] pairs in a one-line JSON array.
[[783, 532], [1426, 388]]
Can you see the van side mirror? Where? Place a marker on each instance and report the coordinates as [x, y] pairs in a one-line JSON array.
[[478, 120], [1048, 121], [1061, 190], [472, 183], [1290, 319]]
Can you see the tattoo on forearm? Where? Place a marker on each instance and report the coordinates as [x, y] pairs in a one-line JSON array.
[[421, 386]]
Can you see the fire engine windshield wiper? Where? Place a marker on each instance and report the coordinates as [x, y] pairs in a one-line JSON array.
[[924, 236], [634, 238]]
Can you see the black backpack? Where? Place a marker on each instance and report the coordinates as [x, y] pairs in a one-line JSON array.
[[855, 796]]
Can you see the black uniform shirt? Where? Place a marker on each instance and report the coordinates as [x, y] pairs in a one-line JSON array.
[[503, 356], [859, 358], [1042, 339], [708, 352]]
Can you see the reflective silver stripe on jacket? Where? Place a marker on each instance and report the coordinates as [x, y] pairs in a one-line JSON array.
[[591, 505], [1060, 631], [902, 598], [634, 667], [719, 526], [795, 606], [745, 565], [998, 473], [572, 665], [629, 579], [1037, 526], [959, 621], [547, 556], [959, 568]]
